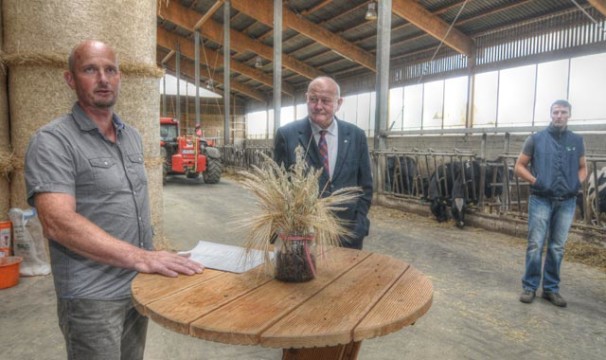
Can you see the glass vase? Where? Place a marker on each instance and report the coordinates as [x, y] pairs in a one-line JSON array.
[[295, 257]]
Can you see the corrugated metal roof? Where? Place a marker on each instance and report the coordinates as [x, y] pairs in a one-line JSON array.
[[344, 19]]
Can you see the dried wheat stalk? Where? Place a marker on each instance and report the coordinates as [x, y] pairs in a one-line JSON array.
[[289, 203]]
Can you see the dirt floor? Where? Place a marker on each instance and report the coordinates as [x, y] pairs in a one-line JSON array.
[[475, 274]]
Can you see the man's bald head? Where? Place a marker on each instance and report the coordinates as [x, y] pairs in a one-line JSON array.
[[84, 47]]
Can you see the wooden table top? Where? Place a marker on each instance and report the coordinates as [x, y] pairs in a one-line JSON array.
[[356, 295]]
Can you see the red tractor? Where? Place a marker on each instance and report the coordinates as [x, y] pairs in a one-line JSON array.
[[190, 155]]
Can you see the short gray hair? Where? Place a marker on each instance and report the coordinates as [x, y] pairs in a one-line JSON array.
[[325, 77]]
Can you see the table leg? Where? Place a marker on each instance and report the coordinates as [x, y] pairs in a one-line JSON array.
[[339, 352]]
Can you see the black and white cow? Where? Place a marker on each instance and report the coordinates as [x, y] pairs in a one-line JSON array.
[[400, 175], [596, 194], [440, 187], [458, 184]]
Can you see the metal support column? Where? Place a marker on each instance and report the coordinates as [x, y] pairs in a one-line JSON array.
[[197, 74], [382, 82], [164, 92], [277, 65], [226, 71], [266, 120], [178, 71]]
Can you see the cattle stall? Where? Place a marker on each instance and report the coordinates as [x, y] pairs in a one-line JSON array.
[[243, 158], [404, 178], [440, 178], [504, 203]]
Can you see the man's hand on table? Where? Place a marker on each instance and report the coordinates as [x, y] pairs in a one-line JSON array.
[[167, 263]]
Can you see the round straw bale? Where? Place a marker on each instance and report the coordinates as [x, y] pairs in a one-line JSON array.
[[18, 193], [138, 106], [154, 184], [38, 95], [57, 25], [5, 151], [36, 56]]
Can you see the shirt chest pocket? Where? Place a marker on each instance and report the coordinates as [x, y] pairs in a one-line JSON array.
[[136, 167], [107, 174]]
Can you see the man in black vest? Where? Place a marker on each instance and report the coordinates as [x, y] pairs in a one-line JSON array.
[[556, 157]]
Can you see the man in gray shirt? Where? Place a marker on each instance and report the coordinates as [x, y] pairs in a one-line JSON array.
[[85, 175]]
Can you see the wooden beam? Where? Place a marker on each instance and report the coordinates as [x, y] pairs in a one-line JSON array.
[[168, 56], [262, 10], [172, 68], [187, 68], [167, 40], [208, 14], [600, 5], [186, 18], [422, 18], [317, 7]]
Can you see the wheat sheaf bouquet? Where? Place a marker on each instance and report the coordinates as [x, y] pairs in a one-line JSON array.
[[292, 217]]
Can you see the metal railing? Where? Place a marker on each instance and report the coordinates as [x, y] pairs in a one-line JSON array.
[[394, 177], [244, 158]]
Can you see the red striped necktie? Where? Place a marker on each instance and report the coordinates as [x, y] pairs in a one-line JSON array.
[[323, 146]]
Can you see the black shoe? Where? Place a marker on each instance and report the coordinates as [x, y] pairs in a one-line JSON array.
[[554, 298], [527, 296]]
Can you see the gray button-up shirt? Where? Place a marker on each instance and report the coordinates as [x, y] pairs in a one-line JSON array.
[[108, 180]]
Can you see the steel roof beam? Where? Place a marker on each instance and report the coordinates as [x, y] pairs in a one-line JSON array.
[[168, 40], [187, 19], [422, 18], [262, 10], [187, 68]]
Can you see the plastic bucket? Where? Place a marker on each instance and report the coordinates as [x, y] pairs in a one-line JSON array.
[[5, 238], [9, 271]]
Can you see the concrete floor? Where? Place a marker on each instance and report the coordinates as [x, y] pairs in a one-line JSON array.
[[475, 273]]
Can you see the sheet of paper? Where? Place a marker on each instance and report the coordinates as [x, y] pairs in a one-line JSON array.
[[225, 257]]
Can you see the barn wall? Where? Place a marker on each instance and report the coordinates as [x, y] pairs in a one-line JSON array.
[[495, 144]]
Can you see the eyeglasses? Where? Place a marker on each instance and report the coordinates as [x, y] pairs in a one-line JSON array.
[[324, 100]]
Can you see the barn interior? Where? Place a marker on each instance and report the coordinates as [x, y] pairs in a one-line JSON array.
[[461, 80], [430, 82]]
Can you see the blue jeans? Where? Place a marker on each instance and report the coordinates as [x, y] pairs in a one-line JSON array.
[[547, 220], [102, 329]]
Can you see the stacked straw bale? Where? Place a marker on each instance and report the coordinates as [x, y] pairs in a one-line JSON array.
[[38, 37], [5, 151]]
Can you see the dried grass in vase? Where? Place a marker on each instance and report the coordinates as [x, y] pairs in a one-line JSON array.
[[290, 208]]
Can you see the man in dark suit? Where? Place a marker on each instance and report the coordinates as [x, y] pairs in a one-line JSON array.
[[339, 147]]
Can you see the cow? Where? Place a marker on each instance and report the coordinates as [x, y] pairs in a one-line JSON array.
[[458, 184], [440, 188], [596, 195], [400, 175]]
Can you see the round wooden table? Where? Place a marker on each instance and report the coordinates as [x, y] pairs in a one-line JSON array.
[[356, 295]]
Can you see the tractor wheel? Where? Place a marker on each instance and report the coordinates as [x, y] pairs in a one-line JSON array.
[[213, 171]]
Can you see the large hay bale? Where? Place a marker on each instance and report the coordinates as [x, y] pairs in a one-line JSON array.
[[5, 146], [139, 106], [55, 26], [37, 44]]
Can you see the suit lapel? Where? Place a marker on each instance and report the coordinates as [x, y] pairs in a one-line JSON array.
[[309, 145], [342, 149]]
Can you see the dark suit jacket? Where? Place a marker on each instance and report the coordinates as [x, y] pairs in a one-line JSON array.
[[352, 168]]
